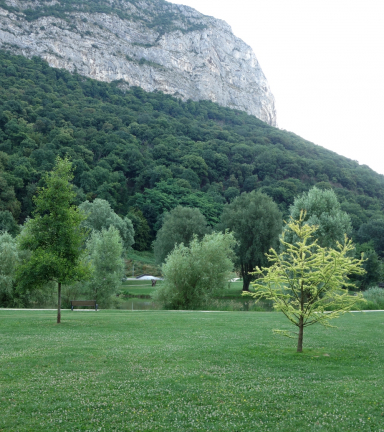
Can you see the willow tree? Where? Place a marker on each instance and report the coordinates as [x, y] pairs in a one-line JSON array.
[[307, 282], [54, 235], [322, 209]]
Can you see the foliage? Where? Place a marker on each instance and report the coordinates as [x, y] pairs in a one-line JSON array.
[[256, 223], [194, 273], [8, 223], [141, 229], [180, 225], [375, 297], [54, 236], [8, 200], [167, 195], [160, 16], [99, 215], [372, 265], [9, 259], [306, 279], [154, 152], [104, 249], [373, 231], [322, 209]]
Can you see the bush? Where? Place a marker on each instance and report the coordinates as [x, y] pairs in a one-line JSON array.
[[196, 273], [375, 298]]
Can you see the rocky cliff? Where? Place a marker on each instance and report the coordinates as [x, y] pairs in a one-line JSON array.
[[148, 43]]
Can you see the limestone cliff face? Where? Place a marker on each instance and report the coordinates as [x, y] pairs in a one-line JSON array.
[[148, 43]]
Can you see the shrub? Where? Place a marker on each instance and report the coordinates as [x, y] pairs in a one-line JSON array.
[[375, 298], [196, 273]]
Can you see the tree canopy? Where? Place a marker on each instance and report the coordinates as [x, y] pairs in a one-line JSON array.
[[321, 208], [195, 273], [180, 225], [99, 215], [256, 223]]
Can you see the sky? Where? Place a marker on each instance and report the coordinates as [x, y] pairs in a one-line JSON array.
[[324, 61]]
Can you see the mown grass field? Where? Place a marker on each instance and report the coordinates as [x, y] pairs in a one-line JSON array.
[[188, 371]]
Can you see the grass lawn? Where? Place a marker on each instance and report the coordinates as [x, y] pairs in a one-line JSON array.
[[188, 371], [139, 287]]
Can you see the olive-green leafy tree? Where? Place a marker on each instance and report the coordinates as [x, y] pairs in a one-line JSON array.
[[194, 273], [54, 236], [322, 209], [9, 259], [256, 223], [104, 249], [99, 214], [179, 226], [307, 282]]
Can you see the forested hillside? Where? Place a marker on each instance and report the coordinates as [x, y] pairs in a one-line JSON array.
[[153, 152]]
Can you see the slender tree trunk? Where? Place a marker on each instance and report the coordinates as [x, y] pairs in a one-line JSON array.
[[301, 319], [301, 333], [59, 303], [246, 284]]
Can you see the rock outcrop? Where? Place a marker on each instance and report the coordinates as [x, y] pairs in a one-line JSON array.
[[150, 43]]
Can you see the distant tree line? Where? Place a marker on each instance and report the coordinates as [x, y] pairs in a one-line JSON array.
[[81, 248]]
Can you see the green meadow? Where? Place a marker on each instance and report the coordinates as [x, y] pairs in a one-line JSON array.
[[188, 371]]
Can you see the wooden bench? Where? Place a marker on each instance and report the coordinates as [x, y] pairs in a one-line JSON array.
[[91, 303]]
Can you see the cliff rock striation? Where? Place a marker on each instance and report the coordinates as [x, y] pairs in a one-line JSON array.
[[152, 44]]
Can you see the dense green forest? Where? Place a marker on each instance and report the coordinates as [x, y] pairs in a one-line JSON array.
[[152, 152]]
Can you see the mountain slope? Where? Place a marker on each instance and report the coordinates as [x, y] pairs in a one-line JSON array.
[[153, 152], [148, 43]]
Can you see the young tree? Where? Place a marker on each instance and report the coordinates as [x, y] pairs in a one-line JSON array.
[[256, 223], [179, 226], [54, 236], [105, 250], [306, 278], [9, 259], [193, 274], [99, 214], [322, 209]]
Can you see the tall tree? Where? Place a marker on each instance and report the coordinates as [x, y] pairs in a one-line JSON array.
[[105, 250], [321, 208], [256, 223], [54, 236], [306, 278], [99, 214], [179, 226]]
